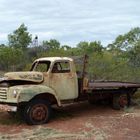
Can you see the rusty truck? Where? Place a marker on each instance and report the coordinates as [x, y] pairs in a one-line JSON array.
[[54, 81]]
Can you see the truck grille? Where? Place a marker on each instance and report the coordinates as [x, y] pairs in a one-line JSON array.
[[3, 93]]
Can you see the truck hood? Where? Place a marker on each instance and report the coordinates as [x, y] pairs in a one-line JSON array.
[[24, 76]]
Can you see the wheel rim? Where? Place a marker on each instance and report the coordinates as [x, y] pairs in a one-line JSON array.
[[123, 101], [39, 113]]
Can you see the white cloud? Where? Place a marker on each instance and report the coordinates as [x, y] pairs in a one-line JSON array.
[[70, 21]]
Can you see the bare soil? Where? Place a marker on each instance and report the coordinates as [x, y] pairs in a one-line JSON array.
[[77, 122]]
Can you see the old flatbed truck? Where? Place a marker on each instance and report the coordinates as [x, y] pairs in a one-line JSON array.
[[54, 80]]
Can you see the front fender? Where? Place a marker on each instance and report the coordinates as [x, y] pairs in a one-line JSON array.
[[27, 92]]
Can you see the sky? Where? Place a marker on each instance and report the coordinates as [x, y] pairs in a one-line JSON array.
[[70, 21]]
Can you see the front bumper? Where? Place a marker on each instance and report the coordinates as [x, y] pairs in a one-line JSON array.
[[8, 108]]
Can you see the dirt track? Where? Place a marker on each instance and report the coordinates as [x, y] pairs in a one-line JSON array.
[[77, 122]]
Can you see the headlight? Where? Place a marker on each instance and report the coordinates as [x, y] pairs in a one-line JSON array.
[[15, 93]]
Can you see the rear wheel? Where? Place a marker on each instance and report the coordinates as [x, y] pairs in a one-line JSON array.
[[37, 112], [121, 101]]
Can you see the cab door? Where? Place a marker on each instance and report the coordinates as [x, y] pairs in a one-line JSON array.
[[63, 80]]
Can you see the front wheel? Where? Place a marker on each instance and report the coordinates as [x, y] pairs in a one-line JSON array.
[[37, 112]]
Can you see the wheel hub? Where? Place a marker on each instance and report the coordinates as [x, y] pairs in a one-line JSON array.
[[39, 112], [123, 101]]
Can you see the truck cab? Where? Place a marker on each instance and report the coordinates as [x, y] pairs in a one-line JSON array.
[[51, 80], [59, 74]]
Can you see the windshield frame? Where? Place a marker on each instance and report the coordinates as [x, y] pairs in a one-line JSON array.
[[35, 64]]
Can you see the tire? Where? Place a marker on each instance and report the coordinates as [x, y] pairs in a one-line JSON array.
[[37, 112], [120, 101]]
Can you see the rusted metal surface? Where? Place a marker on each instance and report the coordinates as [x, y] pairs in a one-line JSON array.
[[85, 61], [112, 84], [65, 84], [61, 86], [26, 76], [39, 112]]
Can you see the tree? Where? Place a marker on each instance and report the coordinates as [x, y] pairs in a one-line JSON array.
[[127, 47], [95, 47], [11, 58], [134, 55], [52, 44], [65, 47], [90, 47], [82, 45], [20, 38], [126, 41], [2, 45]]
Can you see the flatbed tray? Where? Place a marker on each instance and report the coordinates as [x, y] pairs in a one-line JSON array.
[[112, 85]]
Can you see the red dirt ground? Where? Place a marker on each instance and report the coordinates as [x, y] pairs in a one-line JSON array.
[[78, 122]]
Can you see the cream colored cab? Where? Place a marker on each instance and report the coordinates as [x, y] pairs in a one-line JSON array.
[[60, 75]]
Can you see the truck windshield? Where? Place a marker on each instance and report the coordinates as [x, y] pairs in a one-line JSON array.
[[41, 66]]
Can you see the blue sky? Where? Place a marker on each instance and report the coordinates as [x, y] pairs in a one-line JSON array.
[[70, 21]]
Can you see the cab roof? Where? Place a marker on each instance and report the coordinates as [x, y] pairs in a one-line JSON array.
[[54, 59]]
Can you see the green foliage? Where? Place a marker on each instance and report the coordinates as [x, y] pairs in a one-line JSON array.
[[51, 44], [10, 58], [119, 61], [65, 47], [20, 38], [128, 40], [134, 55], [90, 47]]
